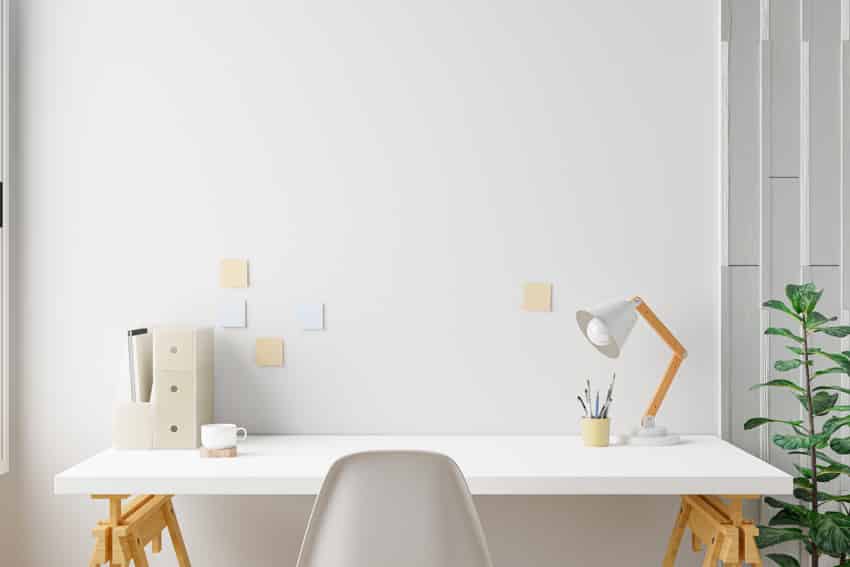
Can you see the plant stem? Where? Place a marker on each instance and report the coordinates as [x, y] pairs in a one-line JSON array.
[[812, 448]]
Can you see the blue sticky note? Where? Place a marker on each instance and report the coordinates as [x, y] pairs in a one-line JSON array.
[[231, 312], [311, 316]]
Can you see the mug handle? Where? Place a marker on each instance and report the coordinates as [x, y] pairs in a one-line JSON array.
[[243, 431]]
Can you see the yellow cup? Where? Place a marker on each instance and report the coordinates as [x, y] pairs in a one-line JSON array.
[[595, 432]]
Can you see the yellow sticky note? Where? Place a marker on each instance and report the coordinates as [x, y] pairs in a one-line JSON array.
[[537, 297], [234, 273], [269, 352]]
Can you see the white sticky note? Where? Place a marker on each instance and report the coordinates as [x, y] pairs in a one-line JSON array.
[[311, 316], [231, 312]]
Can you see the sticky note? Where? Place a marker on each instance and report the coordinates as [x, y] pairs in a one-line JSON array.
[[311, 316], [269, 352], [537, 297], [234, 273], [232, 312]]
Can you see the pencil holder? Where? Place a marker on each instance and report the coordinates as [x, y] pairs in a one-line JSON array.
[[595, 432]]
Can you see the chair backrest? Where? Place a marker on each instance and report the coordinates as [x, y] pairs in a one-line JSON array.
[[394, 509]]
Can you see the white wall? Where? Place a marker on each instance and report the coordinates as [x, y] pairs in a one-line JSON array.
[[408, 164]]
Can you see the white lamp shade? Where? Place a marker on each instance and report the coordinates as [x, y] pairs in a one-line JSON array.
[[608, 326]]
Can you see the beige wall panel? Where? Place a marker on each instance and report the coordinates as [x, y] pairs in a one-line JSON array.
[[825, 133], [743, 157], [784, 158], [742, 303], [784, 266]]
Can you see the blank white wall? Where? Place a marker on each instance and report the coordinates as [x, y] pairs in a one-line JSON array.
[[408, 164]]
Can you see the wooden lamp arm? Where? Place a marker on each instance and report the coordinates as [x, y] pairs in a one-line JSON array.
[[679, 354]]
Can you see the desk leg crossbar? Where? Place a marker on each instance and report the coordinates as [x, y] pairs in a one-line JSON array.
[[718, 525], [131, 526]]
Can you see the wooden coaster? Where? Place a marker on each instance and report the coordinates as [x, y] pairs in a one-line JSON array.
[[218, 453]]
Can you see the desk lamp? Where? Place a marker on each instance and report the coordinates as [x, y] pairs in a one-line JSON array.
[[607, 327]]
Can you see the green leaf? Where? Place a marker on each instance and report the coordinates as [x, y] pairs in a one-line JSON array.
[[791, 442], [789, 514], [782, 332], [816, 319], [831, 532], [837, 331], [833, 497], [786, 365], [799, 351], [754, 422], [840, 445], [806, 472], [805, 494], [831, 387], [782, 383], [785, 518], [825, 474], [780, 306], [783, 560], [809, 297], [793, 293], [833, 370], [771, 536], [834, 423], [841, 360], [823, 402], [833, 464]]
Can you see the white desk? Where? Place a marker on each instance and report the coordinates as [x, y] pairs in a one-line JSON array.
[[492, 465], [290, 465]]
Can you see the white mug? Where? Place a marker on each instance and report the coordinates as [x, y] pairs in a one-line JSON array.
[[222, 435]]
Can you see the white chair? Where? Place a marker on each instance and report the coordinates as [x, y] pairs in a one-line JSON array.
[[394, 509]]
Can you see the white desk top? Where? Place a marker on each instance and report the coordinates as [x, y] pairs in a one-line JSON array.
[[492, 465]]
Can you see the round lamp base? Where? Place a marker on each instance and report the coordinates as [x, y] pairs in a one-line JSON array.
[[653, 435]]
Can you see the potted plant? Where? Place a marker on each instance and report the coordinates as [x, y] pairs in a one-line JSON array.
[[820, 520]]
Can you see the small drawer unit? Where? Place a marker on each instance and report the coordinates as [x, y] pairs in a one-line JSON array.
[[182, 385]]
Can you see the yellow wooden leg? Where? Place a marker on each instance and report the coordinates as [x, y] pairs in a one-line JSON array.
[[102, 541], [751, 551], [717, 522], [176, 536], [677, 534], [696, 544], [131, 526], [132, 548], [730, 552], [712, 554]]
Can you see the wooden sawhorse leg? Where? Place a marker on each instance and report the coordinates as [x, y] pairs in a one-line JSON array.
[[719, 524], [122, 538]]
